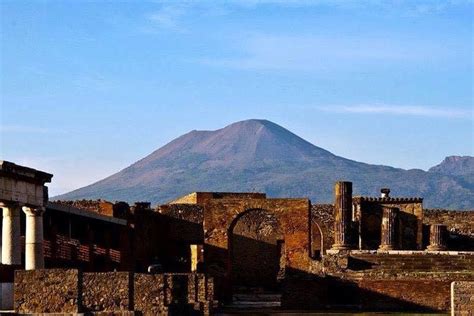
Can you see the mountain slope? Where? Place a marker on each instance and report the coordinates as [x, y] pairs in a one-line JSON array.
[[258, 155], [455, 165]]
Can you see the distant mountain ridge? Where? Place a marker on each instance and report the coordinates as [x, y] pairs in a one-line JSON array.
[[258, 155], [455, 165]]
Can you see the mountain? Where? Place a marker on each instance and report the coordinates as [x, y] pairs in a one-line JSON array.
[[258, 155], [455, 165]]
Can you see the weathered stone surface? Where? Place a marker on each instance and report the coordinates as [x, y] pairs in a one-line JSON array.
[[47, 291], [107, 291], [323, 216], [462, 298], [149, 294]]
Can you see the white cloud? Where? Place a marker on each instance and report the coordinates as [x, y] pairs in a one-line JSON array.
[[402, 110]]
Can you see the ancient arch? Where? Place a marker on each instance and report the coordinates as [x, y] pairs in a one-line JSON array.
[[317, 240], [256, 250]]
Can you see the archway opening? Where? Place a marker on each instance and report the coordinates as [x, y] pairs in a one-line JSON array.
[[317, 242], [256, 247]]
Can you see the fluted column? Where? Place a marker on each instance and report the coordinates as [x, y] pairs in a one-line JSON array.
[[342, 215], [34, 257], [11, 250], [389, 221], [438, 234]]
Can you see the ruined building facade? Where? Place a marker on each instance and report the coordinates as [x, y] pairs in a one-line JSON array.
[[209, 250]]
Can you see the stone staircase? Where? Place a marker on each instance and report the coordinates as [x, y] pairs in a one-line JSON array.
[[254, 299], [412, 262]]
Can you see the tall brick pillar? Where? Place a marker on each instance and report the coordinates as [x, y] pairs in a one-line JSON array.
[[342, 215], [438, 234], [389, 224]]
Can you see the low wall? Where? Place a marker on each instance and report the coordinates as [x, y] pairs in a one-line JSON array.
[[107, 291], [71, 291], [409, 292], [47, 291], [462, 298]]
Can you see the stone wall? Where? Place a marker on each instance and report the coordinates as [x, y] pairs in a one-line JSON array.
[[323, 215], [71, 291], [410, 292], [47, 291], [462, 298], [460, 226], [107, 291]]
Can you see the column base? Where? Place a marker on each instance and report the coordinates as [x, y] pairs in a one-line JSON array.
[[341, 247], [436, 248], [386, 248]]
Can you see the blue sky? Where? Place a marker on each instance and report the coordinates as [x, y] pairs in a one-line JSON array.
[[87, 88]]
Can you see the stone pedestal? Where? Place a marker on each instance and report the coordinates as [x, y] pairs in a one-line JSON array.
[[34, 257], [342, 215], [389, 224], [438, 235], [11, 250]]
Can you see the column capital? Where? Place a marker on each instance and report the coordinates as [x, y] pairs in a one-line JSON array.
[[33, 211], [8, 204]]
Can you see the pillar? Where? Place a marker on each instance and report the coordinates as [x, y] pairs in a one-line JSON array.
[[194, 257], [438, 234], [11, 250], [342, 215], [34, 257], [389, 223]]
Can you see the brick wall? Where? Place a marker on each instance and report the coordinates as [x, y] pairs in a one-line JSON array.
[[462, 298]]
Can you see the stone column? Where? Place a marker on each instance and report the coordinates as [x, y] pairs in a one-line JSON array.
[[11, 250], [34, 257], [389, 223], [342, 215], [438, 234]]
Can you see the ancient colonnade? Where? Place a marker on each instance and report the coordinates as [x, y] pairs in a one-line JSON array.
[[21, 189], [343, 240]]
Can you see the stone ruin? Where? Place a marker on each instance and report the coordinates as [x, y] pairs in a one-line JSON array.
[[218, 251]]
